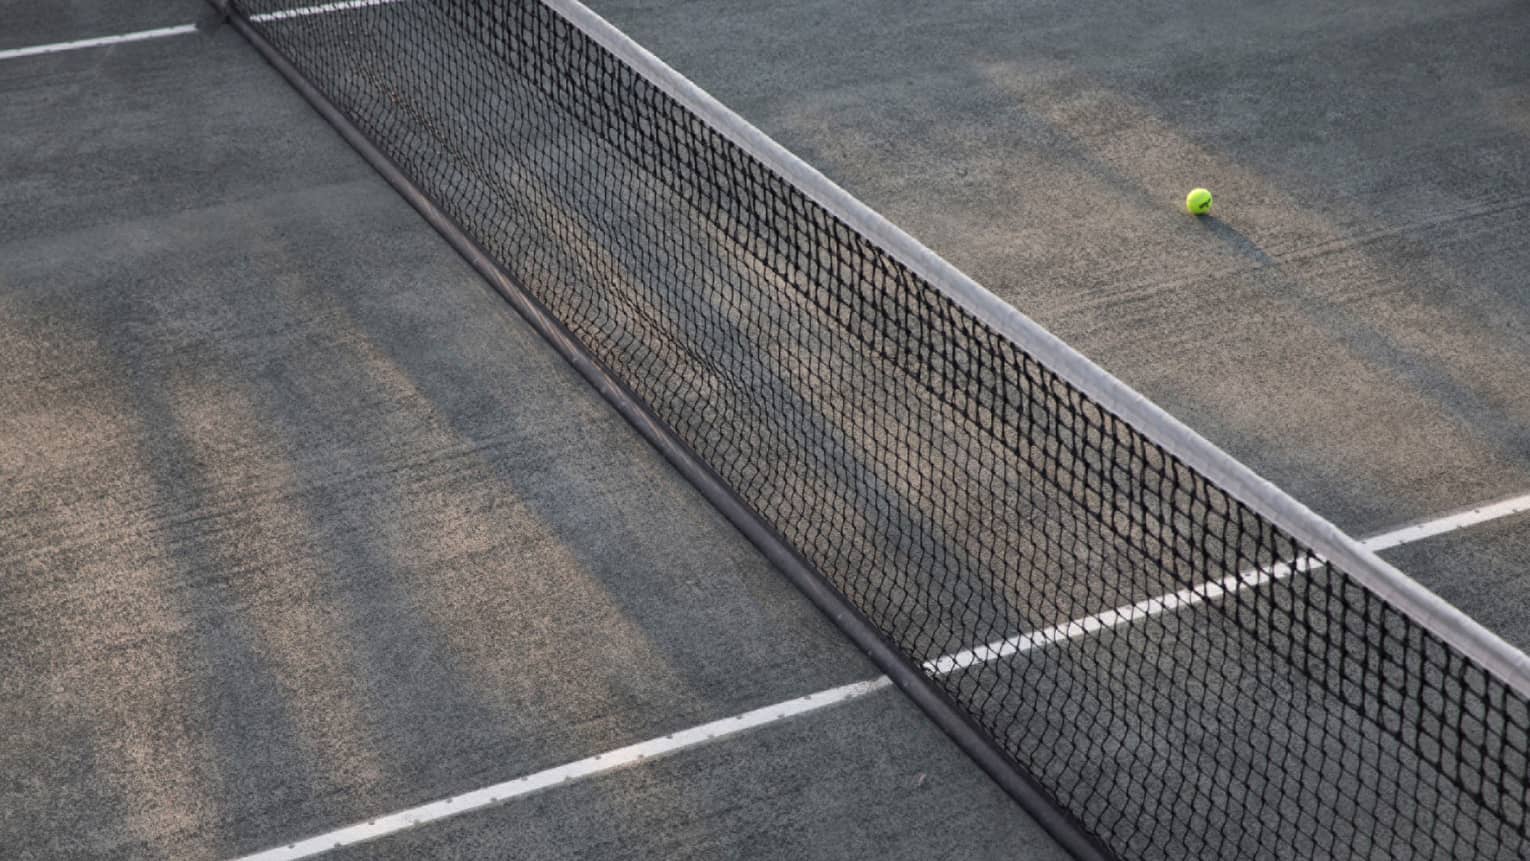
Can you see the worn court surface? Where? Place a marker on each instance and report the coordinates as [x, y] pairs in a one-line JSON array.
[[299, 524]]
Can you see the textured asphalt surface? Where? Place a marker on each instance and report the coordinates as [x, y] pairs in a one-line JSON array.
[[300, 524]]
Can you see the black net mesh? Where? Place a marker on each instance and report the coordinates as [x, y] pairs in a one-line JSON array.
[[1010, 536]]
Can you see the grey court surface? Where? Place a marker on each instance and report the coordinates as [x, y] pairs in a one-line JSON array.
[[1353, 322], [300, 525]]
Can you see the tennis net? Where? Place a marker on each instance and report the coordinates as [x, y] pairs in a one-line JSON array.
[[1184, 661]]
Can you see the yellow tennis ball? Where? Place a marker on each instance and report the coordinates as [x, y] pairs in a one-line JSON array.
[[1198, 201]]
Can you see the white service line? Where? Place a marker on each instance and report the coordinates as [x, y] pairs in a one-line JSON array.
[[1211, 591], [1109, 619], [99, 42], [184, 29], [1449, 523], [499, 793], [321, 9], [588, 767]]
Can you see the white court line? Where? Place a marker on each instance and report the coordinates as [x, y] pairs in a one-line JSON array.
[[1109, 619], [99, 42], [183, 29], [1211, 591], [1449, 523], [588, 767], [499, 793], [321, 9]]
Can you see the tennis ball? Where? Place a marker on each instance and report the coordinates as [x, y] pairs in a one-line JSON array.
[[1198, 201]]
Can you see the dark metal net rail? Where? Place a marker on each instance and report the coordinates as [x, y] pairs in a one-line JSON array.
[[958, 491]]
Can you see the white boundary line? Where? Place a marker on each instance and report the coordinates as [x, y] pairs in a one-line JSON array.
[[1115, 618], [600, 763], [99, 42], [1213, 590], [321, 9], [499, 793], [1448, 523], [182, 29]]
